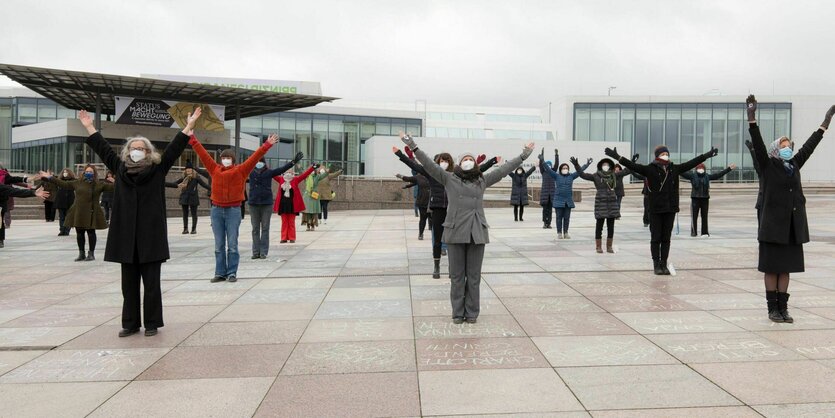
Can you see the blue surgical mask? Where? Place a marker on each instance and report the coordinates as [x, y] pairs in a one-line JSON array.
[[786, 153], [88, 176], [259, 165]]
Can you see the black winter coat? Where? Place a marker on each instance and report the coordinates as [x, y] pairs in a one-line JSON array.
[[437, 192], [419, 181], [519, 190], [662, 181], [189, 196], [605, 198], [546, 190], [700, 183], [756, 165], [261, 184], [64, 198], [138, 228], [784, 205]]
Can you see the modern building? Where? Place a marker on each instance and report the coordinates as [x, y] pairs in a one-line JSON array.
[[690, 125]]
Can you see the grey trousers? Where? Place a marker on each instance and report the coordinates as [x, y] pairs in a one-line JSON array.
[[465, 271], [260, 218]]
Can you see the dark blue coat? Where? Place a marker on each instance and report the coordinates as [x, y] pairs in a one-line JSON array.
[[261, 184], [563, 186]]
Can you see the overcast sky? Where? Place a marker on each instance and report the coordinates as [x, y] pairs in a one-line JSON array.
[[479, 52]]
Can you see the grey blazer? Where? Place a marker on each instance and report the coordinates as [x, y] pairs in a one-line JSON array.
[[465, 222]]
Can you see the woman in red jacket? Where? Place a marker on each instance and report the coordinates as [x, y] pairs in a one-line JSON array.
[[289, 201], [227, 194]]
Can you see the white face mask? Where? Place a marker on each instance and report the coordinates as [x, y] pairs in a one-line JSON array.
[[288, 176], [700, 171], [444, 165], [665, 157], [65, 175], [137, 155], [226, 162], [467, 165], [564, 171], [322, 170], [605, 167], [520, 171]]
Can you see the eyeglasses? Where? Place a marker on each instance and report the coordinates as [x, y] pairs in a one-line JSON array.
[[137, 149]]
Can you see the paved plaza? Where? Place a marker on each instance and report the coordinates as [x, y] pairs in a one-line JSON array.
[[348, 322]]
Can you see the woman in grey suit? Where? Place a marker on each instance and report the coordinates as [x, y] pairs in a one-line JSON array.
[[465, 226]]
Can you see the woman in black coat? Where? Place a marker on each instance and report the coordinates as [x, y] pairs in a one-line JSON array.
[[783, 226], [138, 233], [64, 198], [661, 179], [519, 191], [189, 199], [606, 204], [107, 196], [421, 200]]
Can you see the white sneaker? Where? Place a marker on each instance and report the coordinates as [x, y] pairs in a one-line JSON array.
[[559, 235], [566, 236], [705, 235], [325, 222]]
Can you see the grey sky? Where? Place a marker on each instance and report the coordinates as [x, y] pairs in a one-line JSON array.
[[482, 52]]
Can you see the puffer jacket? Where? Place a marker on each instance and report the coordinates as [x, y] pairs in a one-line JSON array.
[[519, 191], [605, 199]]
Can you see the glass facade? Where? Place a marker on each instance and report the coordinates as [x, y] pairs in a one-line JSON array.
[[333, 139], [688, 129]]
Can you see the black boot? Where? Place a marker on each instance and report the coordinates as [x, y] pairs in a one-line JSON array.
[[185, 231], [773, 306], [81, 256], [90, 256], [436, 274], [664, 270], [658, 271], [783, 307]]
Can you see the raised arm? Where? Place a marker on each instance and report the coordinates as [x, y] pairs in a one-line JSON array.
[[689, 165], [417, 168], [755, 163], [626, 162], [580, 170], [488, 164], [69, 185], [174, 184], [809, 146], [548, 170], [530, 171], [280, 170], [494, 176], [760, 152], [334, 175], [203, 184], [587, 164], [203, 155], [249, 165], [719, 175], [686, 175], [97, 142]]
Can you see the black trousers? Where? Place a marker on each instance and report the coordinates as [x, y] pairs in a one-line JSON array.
[[661, 229], [438, 217], [699, 205], [424, 216], [610, 228], [48, 211], [149, 275], [518, 211], [547, 212], [324, 205], [105, 204], [186, 210], [646, 213], [62, 215], [79, 238]]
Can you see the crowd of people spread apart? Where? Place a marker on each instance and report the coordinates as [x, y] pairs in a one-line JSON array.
[[449, 200]]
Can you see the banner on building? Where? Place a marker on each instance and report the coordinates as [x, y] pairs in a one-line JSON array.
[[167, 113]]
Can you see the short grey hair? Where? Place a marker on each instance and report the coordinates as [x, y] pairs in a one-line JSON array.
[[151, 154]]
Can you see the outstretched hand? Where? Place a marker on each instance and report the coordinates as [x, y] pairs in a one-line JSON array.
[[43, 194], [713, 152], [574, 161], [298, 157], [85, 118], [589, 160], [529, 146], [398, 175], [193, 116], [612, 152], [316, 166], [751, 107], [272, 139], [635, 157], [828, 117], [395, 150], [43, 175], [732, 166]]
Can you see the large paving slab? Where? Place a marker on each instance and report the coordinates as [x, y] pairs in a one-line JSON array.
[[348, 322]]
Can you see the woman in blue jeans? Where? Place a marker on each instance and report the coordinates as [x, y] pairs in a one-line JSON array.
[[228, 181], [563, 199]]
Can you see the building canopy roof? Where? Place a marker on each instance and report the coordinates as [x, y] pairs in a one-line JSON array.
[[79, 90]]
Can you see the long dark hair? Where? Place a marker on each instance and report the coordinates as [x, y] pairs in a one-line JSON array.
[[446, 157], [95, 172]]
